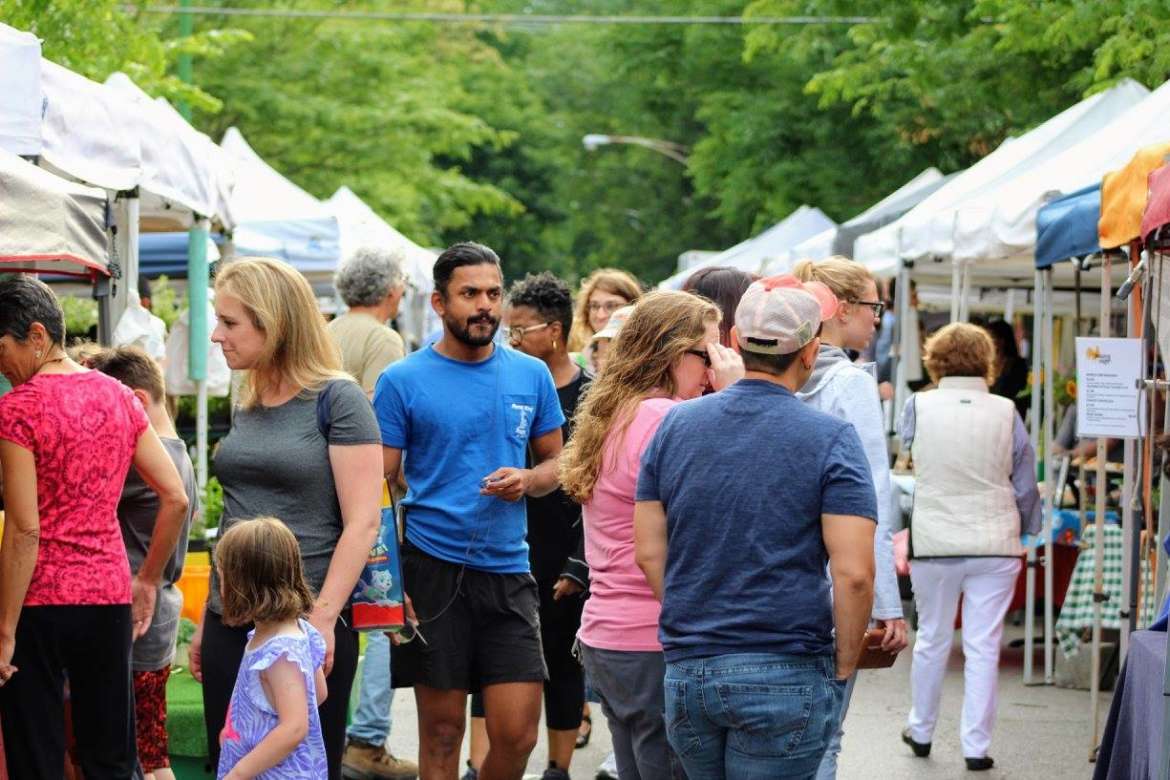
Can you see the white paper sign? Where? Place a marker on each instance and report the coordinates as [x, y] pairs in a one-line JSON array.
[[1108, 401]]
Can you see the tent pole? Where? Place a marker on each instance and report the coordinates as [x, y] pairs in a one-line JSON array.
[[1099, 537], [1048, 421], [1157, 268], [965, 293], [904, 347], [956, 287], [197, 335], [1030, 564], [123, 279]]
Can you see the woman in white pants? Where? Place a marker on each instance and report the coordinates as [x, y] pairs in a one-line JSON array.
[[975, 493]]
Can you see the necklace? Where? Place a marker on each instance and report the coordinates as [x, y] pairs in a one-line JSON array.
[[47, 362]]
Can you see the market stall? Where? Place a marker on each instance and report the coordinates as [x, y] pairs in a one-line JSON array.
[[771, 249]]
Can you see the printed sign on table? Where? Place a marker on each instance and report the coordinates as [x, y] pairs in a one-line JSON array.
[[1109, 404]]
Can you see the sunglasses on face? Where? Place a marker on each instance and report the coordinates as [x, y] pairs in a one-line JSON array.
[[516, 335], [876, 306], [701, 353]]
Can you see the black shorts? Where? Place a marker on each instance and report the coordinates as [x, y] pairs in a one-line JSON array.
[[485, 634]]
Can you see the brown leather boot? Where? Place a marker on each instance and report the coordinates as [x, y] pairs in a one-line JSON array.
[[371, 762]]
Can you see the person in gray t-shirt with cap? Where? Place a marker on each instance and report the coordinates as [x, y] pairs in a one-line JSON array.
[[137, 510]]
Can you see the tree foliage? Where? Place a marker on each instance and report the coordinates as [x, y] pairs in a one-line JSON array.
[[474, 131]]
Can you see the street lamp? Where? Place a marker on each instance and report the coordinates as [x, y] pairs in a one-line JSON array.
[[676, 152]]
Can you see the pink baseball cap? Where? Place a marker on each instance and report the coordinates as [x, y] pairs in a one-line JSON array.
[[780, 314]]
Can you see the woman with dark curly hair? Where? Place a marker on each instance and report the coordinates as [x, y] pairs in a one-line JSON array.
[[975, 493]]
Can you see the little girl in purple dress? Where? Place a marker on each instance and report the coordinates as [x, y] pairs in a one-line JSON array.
[[272, 731]]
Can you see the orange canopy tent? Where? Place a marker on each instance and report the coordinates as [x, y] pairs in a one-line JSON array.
[[1124, 194]]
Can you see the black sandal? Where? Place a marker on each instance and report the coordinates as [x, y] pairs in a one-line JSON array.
[[583, 736]]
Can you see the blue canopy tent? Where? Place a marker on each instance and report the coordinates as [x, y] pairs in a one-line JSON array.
[[1067, 227]]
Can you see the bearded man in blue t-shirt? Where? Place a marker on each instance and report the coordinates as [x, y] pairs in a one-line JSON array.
[[744, 496], [460, 416]]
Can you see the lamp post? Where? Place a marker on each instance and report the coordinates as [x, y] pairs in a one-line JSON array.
[[676, 152]]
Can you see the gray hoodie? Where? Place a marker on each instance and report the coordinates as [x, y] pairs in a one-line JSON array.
[[849, 392]]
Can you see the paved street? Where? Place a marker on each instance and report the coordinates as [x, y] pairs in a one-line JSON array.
[[1042, 731]]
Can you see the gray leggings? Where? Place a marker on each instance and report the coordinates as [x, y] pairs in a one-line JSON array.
[[629, 687]]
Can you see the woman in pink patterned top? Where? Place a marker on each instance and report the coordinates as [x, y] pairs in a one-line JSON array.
[[68, 605]]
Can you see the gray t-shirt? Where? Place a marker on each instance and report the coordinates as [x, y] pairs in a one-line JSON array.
[[275, 462], [137, 511]]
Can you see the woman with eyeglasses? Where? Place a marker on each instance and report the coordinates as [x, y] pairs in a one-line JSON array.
[[666, 352], [602, 293], [844, 389]]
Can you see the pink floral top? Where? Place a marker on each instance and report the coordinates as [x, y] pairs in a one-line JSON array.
[[82, 430]]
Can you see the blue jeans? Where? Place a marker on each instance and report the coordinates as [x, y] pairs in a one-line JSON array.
[[828, 768], [371, 720], [752, 716]]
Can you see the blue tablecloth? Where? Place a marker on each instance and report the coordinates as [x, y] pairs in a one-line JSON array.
[[1131, 745]]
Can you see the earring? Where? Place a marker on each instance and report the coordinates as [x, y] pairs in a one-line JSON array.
[[554, 345], [38, 354]]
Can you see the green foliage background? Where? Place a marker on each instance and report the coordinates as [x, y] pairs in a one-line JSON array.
[[474, 131]]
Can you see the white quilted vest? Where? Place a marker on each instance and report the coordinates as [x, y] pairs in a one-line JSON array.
[[963, 499]]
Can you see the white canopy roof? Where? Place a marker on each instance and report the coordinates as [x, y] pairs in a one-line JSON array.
[[180, 168], [820, 246], [88, 131], [260, 193], [764, 249], [49, 224], [20, 91], [927, 230], [1001, 222], [361, 226]]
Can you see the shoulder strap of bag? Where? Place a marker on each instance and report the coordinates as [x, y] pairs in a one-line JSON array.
[[325, 410]]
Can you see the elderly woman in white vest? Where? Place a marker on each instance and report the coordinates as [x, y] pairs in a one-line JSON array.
[[975, 494]]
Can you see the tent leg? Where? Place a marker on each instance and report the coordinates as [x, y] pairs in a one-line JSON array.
[[905, 311], [956, 289], [124, 278], [1049, 422], [1030, 572], [1099, 539], [965, 294], [197, 344]]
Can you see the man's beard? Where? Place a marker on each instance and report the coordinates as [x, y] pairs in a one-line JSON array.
[[462, 330]]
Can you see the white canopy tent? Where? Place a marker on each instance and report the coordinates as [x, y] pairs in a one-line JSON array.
[[1000, 223], [276, 217], [926, 232], [20, 92], [895, 204], [184, 174], [771, 249], [361, 226]]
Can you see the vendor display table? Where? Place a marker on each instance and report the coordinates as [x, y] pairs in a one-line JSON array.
[[1130, 747], [1077, 613]]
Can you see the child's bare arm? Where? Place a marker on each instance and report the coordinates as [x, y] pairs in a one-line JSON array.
[[322, 687], [286, 686]]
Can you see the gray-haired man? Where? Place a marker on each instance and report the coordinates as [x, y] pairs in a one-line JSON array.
[[370, 281]]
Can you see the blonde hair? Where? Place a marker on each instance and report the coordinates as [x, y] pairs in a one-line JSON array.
[[662, 327], [260, 568], [281, 305], [960, 349], [847, 278], [609, 280]]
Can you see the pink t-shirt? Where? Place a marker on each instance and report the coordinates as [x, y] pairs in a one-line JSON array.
[[621, 612], [82, 430]]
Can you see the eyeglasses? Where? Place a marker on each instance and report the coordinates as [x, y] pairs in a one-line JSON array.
[[516, 335], [877, 306], [701, 353], [609, 306]]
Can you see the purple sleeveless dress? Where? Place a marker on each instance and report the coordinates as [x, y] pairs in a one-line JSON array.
[[250, 717]]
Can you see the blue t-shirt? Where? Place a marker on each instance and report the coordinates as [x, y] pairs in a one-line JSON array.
[[458, 422], [745, 475]]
